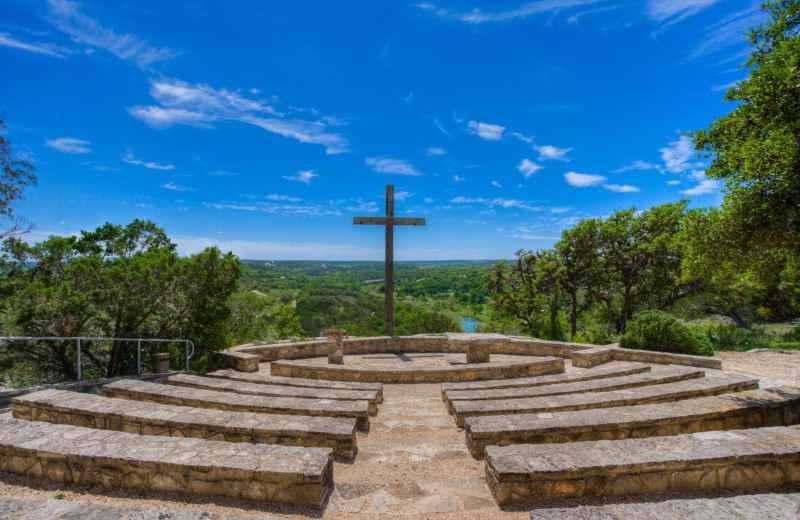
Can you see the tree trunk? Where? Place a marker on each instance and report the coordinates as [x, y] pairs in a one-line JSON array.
[[733, 313]]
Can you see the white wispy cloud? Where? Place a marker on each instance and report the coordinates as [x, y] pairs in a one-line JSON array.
[[730, 31], [477, 16], [389, 165], [553, 153], [673, 182], [522, 137], [201, 105], [496, 184], [486, 131], [621, 188], [583, 180], [458, 178], [130, 159], [673, 11], [497, 202], [360, 206], [434, 151], [528, 167], [706, 187], [289, 198], [677, 155], [174, 187], [69, 145], [37, 48], [67, 17], [403, 195], [637, 165], [303, 176]]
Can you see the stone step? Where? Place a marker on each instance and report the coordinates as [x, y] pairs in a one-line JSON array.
[[758, 458], [670, 374], [240, 387], [64, 453], [13, 508], [198, 398], [147, 418], [265, 378], [622, 369], [742, 507], [751, 409], [719, 383]]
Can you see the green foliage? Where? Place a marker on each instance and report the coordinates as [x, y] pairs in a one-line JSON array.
[[660, 331], [16, 175], [413, 319], [119, 282], [728, 337]]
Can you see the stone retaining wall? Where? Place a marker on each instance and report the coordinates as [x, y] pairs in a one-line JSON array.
[[478, 371], [144, 418], [739, 459], [124, 460]]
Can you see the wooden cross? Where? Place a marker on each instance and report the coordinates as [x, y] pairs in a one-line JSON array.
[[389, 221]]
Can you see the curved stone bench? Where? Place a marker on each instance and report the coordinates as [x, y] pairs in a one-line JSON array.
[[670, 374], [723, 383], [239, 387], [627, 369], [182, 396], [750, 409], [267, 379], [147, 418], [743, 507], [739, 459], [66, 453], [309, 369]]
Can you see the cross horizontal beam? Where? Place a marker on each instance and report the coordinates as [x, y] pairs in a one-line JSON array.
[[392, 221]]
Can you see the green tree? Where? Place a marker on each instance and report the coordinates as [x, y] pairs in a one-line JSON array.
[[16, 175], [579, 248]]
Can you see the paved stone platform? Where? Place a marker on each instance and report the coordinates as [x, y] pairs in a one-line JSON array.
[[198, 398], [721, 383], [670, 374], [239, 387], [622, 369], [43, 509], [758, 458], [267, 379], [751, 409], [66, 453], [742, 507], [416, 368], [147, 418]]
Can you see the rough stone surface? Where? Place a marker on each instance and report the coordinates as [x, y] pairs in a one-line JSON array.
[[743, 507], [648, 356], [721, 383], [751, 409], [239, 387], [43, 509], [591, 357], [267, 379], [739, 459], [626, 369], [669, 374], [66, 453], [316, 369], [182, 396], [147, 418]]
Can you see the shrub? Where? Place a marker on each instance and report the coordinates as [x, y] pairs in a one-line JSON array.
[[656, 330], [727, 337]]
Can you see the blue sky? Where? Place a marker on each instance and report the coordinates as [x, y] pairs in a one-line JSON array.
[[264, 127]]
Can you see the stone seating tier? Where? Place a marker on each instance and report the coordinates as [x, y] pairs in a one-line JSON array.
[[313, 369], [670, 374], [758, 458], [751, 409], [65, 453], [50, 509], [722, 383], [625, 369], [146, 418], [742, 507], [267, 379], [239, 387], [183, 396]]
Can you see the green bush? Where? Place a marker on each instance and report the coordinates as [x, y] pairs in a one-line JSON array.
[[656, 330], [731, 337]]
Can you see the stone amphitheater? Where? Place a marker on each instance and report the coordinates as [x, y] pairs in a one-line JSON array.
[[454, 426]]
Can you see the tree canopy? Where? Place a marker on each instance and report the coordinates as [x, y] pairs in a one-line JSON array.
[[16, 175]]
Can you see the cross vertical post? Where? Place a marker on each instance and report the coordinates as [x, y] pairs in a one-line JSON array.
[[389, 221]]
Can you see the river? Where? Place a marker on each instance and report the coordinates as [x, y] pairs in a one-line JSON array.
[[469, 324]]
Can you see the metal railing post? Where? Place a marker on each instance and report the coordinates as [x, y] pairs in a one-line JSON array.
[[79, 359], [139, 357]]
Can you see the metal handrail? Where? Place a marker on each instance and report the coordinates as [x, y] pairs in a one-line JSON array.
[[138, 341]]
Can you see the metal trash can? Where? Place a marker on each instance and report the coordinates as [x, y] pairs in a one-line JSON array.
[[161, 362]]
